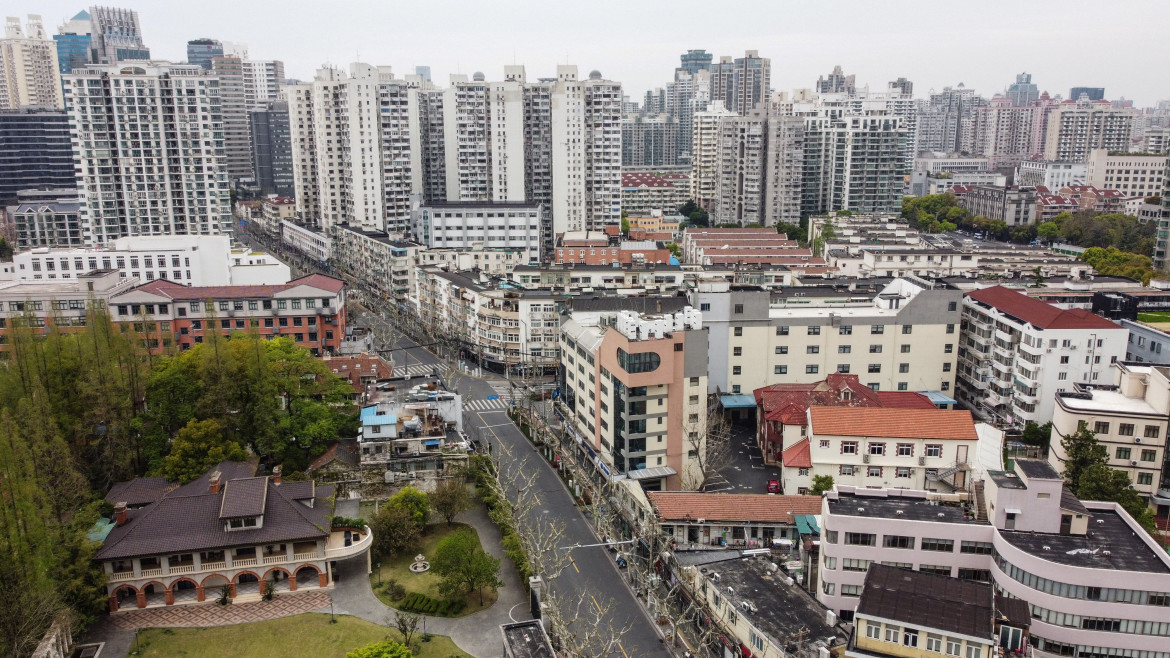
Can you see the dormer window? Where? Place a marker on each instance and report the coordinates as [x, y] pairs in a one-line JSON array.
[[246, 522]]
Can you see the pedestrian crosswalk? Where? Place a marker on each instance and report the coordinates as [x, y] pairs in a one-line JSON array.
[[485, 405], [414, 370]]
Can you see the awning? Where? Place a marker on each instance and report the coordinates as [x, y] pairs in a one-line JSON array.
[[738, 401], [431, 443], [938, 397], [651, 473], [1012, 510], [806, 524]]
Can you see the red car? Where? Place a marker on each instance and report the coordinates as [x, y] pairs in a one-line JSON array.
[[774, 486]]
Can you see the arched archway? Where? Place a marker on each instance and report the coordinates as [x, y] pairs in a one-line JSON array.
[[156, 594], [308, 576], [185, 590], [279, 579], [124, 596], [247, 582], [213, 586]]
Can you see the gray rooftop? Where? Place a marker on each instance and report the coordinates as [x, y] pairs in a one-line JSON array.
[[925, 599], [244, 497], [905, 507], [1005, 480], [526, 639], [1037, 469], [1110, 544], [655, 304]]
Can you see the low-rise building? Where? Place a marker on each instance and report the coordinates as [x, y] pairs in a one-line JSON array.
[[1088, 197], [273, 211], [632, 279], [910, 614], [1016, 352], [643, 192], [362, 370], [414, 439], [1094, 580], [1128, 416], [310, 310], [736, 520], [479, 225], [1131, 174], [923, 183], [596, 248], [900, 336], [1146, 344], [308, 240], [62, 304], [229, 530], [633, 376], [720, 246], [1051, 174], [1014, 205]]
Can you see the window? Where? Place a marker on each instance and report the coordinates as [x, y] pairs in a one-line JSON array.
[[873, 630], [738, 331], [905, 349], [1100, 427], [846, 469], [934, 450], [780, 370], [813, 349], [845, 331], [736, 351], [850, 564], [1125, 429], [782, 349], [977, 547], [910, 637], [874, 471], [812, 370], [934, 643], [875, 367], [781, 331], [950, 328], [860, 539], [738, 308], [877, 329], [824, 443], [902, 472], [1152, 431], [640, 362], [954, 647], [1124, 453], [851, 590], [948, 348], [892, 634], [843, 368], [897, 541], [1149, 455], [974, 650], [848, 447], [941, 545], [831, 536], [737, 370], [828, 588], [1145, 478], [1063, 360], [844, 349], [875, 349], [877, 448]]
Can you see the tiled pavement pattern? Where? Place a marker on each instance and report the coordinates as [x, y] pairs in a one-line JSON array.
[[214, 614]]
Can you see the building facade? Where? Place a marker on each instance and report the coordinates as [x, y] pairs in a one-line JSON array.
[[1132, 174], [30, 75], [1076, 127], [480, 225], [36, 152], [271, 148]]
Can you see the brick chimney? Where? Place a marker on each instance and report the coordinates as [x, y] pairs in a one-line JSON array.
[[213, 482], [120, 515], [276, 474]]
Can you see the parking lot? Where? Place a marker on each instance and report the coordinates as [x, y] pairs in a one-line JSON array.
[[747, 473]]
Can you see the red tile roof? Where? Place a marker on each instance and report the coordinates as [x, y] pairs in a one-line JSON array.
[[179, 291], [904, 400], [732, 507], [894, 423], [798, 455], [1038, 313], [319, 281], [789, 403]]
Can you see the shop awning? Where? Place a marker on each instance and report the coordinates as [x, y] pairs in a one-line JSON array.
[[806, 524], [651, 473], [738, 401], [431, 443], [938, 398]]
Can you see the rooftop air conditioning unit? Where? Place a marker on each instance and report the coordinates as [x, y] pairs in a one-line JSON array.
[[865, 458]]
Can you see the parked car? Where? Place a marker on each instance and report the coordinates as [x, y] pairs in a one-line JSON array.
[[774, 486]]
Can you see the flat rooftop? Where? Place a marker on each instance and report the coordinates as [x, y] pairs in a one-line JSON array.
[[781, 610], [913, 508], [1112, 401], [1110, 544], [526, 639], [1005, 480]]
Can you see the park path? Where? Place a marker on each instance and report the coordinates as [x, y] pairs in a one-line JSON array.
[[478, 634]]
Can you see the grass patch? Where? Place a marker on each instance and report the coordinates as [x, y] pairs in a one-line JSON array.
[[426, 583], [309, 634], [1154, 316]]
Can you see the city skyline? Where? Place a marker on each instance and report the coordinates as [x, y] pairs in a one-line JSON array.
[[640, 45]]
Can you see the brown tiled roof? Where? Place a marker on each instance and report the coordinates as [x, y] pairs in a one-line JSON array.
[[179, 291], [929, 600], [904, 400], [344, 451], [894, 423], [1038, 313], [319, 281], [798, 455], [189, 523], [139, 491], [243, 497], [732, 507]]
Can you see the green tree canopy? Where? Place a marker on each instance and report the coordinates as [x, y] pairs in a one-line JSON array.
[[396, 532], [1037, 435], [1081, 450], [197, 447], [450, 498], [413, 501], [464, 566], [386, 649], [821, 485]]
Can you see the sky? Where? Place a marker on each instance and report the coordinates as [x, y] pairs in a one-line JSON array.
[[1123, 45]]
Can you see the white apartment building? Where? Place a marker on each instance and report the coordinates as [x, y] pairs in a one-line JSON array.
[[586, 151], [310, 241], [483, 127], [1133, 174], [868, 447], [1051, 174], [149, 148], [479, 225], [632, 385], [1156, 140], [198, 260], [902, 337], [1008, 134], [263, 79], [705, 156], [1129, 418], [1075, 128], [29, 72], [1094, 582], [1017, 352]]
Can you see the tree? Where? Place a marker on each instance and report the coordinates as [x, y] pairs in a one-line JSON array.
[[197, 447], [386, 649], [625, 224], [1100, 482], [1037, 277], [821, 485], [674, 249], [1081, 451], [396, 532], [464, 566], [407, 624], [710, 442], [450, 498], [414, 501], [5, 249], [1037, 435], [1048, 232]]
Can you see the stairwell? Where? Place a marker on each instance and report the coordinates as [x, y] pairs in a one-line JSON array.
[[980, 503]]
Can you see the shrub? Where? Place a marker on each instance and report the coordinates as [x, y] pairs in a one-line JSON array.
[[347, 522]]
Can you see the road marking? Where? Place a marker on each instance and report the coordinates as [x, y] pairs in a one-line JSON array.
[[599, 611], [574, 563]]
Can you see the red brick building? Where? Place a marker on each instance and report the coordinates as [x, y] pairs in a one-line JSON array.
[[310, 309]]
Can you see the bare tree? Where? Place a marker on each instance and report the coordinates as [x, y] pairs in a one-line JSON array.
[[407, 624], [709, 440]]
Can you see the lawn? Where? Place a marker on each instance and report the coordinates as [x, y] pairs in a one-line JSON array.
[[309, 634], [427, 582], [1155, 316]]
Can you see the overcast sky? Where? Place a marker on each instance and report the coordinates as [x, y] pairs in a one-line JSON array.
[[1123, 45]]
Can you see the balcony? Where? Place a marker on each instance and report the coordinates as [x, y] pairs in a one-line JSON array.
[[121, 575], [151, 573], [275, 559], [181, 568], [240, 562], [340, 547], [213, 566]]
